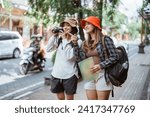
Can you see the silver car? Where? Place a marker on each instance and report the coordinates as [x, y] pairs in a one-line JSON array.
[[11, 44]]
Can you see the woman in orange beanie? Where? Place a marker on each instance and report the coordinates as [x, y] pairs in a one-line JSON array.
[[99, 88]]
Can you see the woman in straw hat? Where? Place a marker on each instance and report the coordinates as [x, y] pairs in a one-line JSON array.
[[92, 47], [64, 73]]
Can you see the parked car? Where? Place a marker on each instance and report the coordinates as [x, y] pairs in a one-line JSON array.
[[11, 44]]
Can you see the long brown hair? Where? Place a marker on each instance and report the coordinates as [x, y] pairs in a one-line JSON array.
[[90, 44]]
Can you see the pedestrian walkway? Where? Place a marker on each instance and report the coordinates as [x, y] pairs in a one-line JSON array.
[[135, 88]]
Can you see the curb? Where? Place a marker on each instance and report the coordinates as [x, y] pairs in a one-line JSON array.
[[47, 80]]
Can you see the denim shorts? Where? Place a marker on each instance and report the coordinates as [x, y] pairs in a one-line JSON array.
[[69, 86]]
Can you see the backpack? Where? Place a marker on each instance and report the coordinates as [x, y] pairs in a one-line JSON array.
[[117, 73]]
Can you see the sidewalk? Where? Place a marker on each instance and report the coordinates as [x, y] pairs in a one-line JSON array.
[[135, 88]]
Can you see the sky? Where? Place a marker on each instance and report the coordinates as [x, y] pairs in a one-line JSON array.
[[129, 7]]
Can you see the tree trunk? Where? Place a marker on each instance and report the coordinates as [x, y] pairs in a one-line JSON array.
[[80, 17], [100, 8]]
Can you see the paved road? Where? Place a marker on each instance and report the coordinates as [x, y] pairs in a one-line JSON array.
[[12, 83]]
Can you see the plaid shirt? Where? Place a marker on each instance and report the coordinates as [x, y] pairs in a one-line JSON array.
[[104, 63]]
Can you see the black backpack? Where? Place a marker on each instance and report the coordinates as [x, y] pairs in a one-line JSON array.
[[118, 72]]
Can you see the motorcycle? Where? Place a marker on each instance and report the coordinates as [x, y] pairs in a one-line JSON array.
[[29, 62]]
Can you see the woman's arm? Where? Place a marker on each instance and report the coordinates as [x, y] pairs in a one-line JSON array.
[[79, 53], [112, 53], [74, 51], [52, 43]]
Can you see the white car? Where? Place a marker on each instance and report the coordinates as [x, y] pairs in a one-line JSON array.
[[11, 44]]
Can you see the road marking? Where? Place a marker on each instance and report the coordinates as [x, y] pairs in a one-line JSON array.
[[4, 78], [20, 90], [23, 95]]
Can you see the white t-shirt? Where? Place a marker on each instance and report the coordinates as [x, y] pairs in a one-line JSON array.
[[64, 66]]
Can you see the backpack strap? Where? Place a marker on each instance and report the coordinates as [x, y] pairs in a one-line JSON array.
[[106, 56], [104, 47], [59, 41], [112, 93]]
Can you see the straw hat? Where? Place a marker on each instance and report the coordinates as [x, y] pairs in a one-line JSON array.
[[72, 22]]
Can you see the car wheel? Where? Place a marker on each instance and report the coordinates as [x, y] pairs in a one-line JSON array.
[[16, 53]]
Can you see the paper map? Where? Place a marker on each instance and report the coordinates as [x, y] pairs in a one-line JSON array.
[[85, 69]]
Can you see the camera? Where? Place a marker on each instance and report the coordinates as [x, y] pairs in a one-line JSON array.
[[57, 30]]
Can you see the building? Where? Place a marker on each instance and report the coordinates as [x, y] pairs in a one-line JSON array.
[[12, 17]]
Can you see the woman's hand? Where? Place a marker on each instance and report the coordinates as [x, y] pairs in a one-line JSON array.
[[74, 39], [95, 68]]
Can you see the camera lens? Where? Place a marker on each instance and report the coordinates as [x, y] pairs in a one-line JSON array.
[[57, 30]]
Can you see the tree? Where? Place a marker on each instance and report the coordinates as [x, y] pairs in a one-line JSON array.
[[42, 10], [134, 29], [7, 5], [107, 7]]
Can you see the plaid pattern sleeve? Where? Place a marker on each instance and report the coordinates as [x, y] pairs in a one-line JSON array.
[[113, 55], [79, 53]]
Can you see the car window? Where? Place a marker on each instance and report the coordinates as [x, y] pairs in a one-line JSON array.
[[8, 36], [4, 37], [14, 36]]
